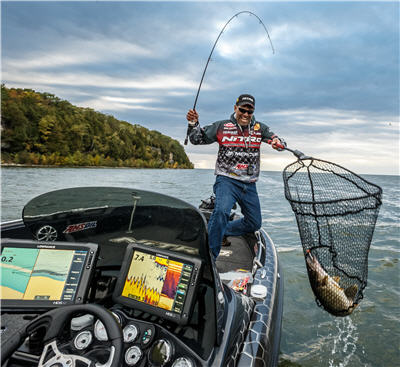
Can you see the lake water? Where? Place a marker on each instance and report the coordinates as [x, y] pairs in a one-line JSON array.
[[310, 336]]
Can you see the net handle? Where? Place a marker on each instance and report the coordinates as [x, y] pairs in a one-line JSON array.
[[297, 153]]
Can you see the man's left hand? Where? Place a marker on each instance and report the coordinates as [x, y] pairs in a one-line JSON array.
[[277, 144]]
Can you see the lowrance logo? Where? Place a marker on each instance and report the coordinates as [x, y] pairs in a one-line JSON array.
[[80, 227], [46, 246]]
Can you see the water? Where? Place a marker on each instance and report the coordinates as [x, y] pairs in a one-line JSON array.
[[310, 336]]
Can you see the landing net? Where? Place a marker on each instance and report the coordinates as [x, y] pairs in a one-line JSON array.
[[336, 211]]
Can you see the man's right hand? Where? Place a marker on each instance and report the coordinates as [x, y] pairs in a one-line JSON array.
[[192, 116]]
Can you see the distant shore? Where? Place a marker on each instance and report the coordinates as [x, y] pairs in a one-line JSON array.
[[60, 166]]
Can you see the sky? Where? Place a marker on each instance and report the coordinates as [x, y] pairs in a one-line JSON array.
[[330, 88]]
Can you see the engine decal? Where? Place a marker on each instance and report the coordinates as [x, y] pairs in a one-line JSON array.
[[80, 227]]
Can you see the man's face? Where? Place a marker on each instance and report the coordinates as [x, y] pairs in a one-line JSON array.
[[243, 114]]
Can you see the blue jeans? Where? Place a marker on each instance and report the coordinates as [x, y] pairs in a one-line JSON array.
[[228, 191]]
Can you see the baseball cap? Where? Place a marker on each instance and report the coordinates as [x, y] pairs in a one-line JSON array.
[[244, 99]]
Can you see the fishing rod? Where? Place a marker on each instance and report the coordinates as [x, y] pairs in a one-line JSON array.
[[212, 50]]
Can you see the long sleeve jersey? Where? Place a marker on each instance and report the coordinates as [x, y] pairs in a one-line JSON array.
[[239, 147]]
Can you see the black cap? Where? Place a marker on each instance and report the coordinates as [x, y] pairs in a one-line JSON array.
[[244, 99]]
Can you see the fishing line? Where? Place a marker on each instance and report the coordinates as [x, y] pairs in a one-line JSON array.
[[212, 50]]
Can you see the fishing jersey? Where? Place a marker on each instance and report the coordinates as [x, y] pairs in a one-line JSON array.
[[239, 147]]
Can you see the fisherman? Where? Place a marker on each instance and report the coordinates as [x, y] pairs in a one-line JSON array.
[[237, 168]]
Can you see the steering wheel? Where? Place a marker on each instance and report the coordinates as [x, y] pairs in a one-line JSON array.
[[53, 322]]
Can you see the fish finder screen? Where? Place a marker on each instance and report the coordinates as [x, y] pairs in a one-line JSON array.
[[158, 281], [41, 274]]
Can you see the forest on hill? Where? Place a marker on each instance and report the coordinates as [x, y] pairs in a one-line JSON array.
[[42, 129]]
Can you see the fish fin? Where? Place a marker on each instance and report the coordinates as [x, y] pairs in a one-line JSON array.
[[351, 291], [324, 281], [310, 260], [336, 279]]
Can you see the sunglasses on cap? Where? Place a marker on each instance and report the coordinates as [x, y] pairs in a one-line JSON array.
[[243, 110]]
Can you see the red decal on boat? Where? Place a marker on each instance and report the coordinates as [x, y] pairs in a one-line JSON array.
[[80, 227]]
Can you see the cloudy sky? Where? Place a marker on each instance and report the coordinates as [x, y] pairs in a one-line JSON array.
[[331, 88]]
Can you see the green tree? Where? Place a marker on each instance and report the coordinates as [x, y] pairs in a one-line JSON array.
[[53, 131]]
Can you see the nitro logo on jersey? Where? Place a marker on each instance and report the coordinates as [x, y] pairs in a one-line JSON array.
[[240, 139]]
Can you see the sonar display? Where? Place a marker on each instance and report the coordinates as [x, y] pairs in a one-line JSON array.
[[40, 274], [157, 281]]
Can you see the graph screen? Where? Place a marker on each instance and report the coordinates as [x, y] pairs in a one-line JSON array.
[[40, 274], [157, 281]]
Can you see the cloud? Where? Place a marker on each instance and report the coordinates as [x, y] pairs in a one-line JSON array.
[[288, 34], [237, 47], [328, 117], [109, 103], [81, 52], [101, 80]]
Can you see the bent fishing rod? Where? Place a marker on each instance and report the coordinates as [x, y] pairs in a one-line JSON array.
[[212, 50]]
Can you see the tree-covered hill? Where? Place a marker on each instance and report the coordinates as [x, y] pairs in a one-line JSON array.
[[40, 128]]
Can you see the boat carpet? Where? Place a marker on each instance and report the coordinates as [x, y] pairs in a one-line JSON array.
[[236, 256]]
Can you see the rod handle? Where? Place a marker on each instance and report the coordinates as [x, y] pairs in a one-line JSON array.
[[191, 123]]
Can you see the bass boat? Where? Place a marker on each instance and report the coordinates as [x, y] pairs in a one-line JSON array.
[[107, 277]]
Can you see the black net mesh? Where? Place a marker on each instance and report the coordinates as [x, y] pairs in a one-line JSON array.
[[336, 211]]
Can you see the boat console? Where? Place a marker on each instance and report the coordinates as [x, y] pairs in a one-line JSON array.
[[154, 300]]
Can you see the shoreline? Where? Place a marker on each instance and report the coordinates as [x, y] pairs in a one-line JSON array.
[[59, 166], [18, 165]]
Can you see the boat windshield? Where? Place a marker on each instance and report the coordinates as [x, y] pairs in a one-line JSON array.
[[114, 217]]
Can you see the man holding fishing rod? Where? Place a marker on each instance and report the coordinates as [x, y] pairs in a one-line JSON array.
[[237, 168]]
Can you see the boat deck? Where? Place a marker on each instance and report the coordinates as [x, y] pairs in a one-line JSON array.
[[236, 256]]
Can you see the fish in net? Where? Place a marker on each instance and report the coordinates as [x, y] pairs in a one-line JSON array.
[[336, 212]]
